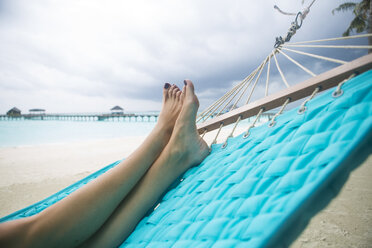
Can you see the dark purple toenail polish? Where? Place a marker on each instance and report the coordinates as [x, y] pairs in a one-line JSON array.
[[166, 85], [184, 81]]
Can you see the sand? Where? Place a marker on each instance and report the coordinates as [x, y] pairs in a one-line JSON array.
[[29, 174]]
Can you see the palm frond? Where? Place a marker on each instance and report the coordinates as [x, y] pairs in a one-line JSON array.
[[365, 5], [344, 7], [347, 32], [358, 24]]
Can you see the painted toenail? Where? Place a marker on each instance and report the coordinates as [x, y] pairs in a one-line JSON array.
[[184, 81], [166, 85]]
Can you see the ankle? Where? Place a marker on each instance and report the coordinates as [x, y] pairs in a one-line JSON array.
[[163, 127], [178, 159]]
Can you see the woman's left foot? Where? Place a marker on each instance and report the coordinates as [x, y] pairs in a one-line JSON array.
[[172, 105]]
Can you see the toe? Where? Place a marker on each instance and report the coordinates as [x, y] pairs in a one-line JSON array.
[[170, 89], [189, 87], [165, 90], [178, 95], [174, 91], [183, 93], [189, 94]]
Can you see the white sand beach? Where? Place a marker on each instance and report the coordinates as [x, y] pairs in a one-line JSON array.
[[29, 174]]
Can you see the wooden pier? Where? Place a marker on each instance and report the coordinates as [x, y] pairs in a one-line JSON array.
[[84, 117], [99, 117]]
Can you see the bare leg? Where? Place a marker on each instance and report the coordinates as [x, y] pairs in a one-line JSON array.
[[76, 217], [185, 149]]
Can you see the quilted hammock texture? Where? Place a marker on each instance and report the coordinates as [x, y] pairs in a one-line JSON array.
[[260, 191]]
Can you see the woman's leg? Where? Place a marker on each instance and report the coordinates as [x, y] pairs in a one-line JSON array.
[[185, 149], [75, 218]]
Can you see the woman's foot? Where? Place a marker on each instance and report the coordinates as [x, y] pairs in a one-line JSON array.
[[171, 107], [185, 143]]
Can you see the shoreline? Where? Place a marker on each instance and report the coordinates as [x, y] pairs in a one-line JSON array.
[[29, 174]]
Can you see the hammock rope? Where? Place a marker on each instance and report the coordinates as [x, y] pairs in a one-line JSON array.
[[217, 113], [228, 102], [338, 92], [214, 108], [206, 111], [245, 86], [218, 103], [273, 122], [304, 12], [205, 131], [218, 132], [298, 64], [248, 84], [316, 56], [280, 71], [255, 83], [333, 39], [303, 107], [246, 134], [267, 78], [232, 131], [330, 46]]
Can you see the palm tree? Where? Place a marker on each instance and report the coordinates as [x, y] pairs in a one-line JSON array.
[[363, 17]]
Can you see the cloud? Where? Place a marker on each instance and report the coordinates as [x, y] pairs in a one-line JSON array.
[[86, 55]]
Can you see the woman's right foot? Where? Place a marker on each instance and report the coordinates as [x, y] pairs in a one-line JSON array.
[[185, 142]]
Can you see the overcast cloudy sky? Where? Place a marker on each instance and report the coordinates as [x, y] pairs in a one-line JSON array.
[[89, 55]]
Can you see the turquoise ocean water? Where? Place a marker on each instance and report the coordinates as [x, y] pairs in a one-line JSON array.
[[35, 132]]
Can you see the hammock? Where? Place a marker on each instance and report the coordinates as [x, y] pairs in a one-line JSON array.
[[259, 191]]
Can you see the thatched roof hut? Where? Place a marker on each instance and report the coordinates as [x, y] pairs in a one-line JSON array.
[[14, 112], [117, 110]]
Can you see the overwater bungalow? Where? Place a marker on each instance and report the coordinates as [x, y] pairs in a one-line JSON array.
[[117, 110], [36, 111], [14, 112]]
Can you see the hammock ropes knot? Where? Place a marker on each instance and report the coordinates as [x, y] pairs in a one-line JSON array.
[[295, 25]]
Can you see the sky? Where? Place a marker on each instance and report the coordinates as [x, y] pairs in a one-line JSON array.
[[89, 55]]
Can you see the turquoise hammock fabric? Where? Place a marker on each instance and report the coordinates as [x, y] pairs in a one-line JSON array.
[[260, 191]]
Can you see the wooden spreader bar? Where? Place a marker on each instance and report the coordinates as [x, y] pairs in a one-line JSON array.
[[325, 80]]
